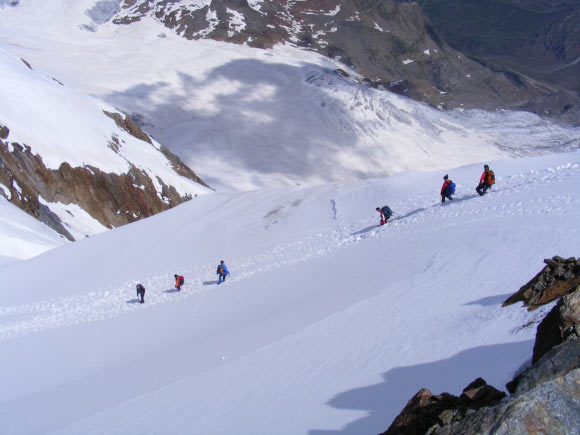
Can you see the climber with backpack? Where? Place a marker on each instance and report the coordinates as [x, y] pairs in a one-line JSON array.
[[486, 181], [447, 189], [179, 281], [141, 292], [222, 271], [385, 213]]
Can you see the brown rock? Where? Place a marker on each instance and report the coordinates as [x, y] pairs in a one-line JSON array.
[[484, 395], [558, 278], [127, 124], [422, 412], [112, 199], [561, 324], [4, 132]]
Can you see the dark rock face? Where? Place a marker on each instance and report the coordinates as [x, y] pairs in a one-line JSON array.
[[393, 44], [535, 38], [112, 199], [421, 413], [559, 277], [561, 325], [546, 401], [425, 412], [545, 398]]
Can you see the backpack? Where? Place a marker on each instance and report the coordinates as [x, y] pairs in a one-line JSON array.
[[387, 211], [221, 270], [450, 188], [181, 280], [491, 177]]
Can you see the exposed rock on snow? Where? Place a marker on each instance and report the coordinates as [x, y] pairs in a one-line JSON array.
[[112, 199], [545, 397], [68, 165], [561, 325], [547, 401], [426, 410], [556, 279]]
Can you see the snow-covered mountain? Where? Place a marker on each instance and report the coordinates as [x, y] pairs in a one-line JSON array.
[[390, 42], [246, 118], [241, 117], [77, 164], [327, 324]]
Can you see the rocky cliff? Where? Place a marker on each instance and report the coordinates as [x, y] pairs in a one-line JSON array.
[[545, 397], [111, 199]]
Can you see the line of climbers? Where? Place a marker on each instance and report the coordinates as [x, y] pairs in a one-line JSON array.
[[222, 271], [486, 180]]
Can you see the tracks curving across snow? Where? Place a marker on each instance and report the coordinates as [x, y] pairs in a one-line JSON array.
[[418, 213]]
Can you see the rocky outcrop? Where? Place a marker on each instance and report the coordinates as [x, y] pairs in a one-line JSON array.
[[546, 401], [112, 199], [545, 397], [425, 411], [391, 43], [559, 277], [561, 325]]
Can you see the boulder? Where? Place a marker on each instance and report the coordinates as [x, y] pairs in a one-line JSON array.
[[545, 398], [560, 325], [422, 412], [559, 277], [556, 362], [426, 412], [545, 401]]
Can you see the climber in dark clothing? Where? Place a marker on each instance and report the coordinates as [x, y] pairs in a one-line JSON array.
[[141, 292]]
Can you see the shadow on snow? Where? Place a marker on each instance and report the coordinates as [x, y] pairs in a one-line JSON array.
[[238, 116], [384, 401]]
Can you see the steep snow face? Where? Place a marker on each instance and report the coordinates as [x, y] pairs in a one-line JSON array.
[[327, 324], [22, 236], [64, 125], [245, 118], [75, 162]]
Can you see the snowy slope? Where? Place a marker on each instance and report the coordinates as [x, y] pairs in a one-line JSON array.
[[64, 125], [328, 323], [244, 118], [22, 236]]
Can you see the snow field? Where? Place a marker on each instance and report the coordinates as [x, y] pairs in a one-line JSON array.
[[247, 119], [23, 236], [328, 323]]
